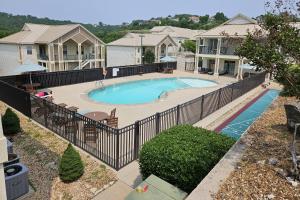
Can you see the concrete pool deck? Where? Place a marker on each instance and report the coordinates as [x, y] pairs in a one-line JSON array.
[[76, 95]]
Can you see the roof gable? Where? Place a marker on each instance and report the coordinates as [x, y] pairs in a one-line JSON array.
[[240, 19]]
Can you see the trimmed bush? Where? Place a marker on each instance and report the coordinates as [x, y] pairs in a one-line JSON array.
[[70, 167], [10, 122], [183, 155]]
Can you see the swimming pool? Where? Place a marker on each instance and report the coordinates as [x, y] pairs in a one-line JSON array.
[[238, 123], [144, 91]]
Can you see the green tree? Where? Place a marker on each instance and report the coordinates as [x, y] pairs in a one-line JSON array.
[[149, 57], [189, 45], [10, 122], [219, 16], [71, 167], [276, 49]]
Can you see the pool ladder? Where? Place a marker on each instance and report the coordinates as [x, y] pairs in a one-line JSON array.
[[99, 83], [162, 95]]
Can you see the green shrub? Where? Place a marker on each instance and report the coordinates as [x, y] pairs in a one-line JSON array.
[[183, 155], [10, 122], [71, 167]]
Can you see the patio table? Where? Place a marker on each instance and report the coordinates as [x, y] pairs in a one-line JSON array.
[[28, 85], [157, 189], [97, 116], [73, 109], [62, 105]]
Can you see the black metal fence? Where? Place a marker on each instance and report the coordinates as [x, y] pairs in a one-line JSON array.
[[117, 147], [132, 137]]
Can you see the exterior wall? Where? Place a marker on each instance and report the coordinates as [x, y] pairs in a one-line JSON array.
[[29, 58], [71, 47], [9, 58], [121, 55]]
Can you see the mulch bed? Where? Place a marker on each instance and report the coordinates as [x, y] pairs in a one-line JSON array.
[[40, 150], [255, 177]]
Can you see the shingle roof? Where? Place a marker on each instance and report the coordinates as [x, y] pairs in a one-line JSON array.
[[134, 39], [238, 26], [176, 31], [38, 33]]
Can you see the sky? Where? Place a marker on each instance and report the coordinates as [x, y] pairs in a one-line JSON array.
[[118, 11]]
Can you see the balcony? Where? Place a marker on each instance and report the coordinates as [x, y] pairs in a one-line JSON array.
[[211, 51], [207, 50], [42, 57], [227, 51]]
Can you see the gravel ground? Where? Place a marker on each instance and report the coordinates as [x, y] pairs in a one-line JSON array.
[[41, 150], [255, 177]]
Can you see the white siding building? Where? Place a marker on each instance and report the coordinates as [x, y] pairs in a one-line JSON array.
[[127, 50], [215, 49], [58, 48]]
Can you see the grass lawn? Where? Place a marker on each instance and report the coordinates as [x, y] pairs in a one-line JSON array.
[[40, 150]]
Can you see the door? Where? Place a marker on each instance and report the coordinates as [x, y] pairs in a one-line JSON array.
[[229, 67]]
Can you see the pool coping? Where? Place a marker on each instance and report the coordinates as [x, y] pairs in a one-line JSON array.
[[85, 94], [210, 185], [236, 114]]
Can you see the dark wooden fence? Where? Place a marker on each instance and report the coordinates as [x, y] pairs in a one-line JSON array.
[[116, 147], [54, 79], [15, 97]]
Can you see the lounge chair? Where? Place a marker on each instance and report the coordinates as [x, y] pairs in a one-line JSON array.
[[168, 70], [293, 117], [223, 72]]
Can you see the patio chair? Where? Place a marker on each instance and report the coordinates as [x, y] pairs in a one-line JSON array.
[[70, 129], [168, 70], [112, 122], [90, 133], [293, 117], [113, 113]]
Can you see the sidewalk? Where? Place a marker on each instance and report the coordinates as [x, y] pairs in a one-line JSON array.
[[129, 177]]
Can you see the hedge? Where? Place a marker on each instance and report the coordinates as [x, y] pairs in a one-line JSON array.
[[183, 155], [10, 122], [71, 167]]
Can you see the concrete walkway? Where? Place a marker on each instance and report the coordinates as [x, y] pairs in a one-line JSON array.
[[129, 178]]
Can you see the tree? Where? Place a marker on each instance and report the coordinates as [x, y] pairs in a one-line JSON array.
[[276, 49], [10, 122], [219, 16], [149, 57], [70, 167], [189, 45]]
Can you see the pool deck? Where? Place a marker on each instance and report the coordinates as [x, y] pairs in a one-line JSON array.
[[76, 95]]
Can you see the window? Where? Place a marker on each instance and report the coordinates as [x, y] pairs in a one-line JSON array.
[[29, 50], [65, 50], [138, 50], [201, 42]]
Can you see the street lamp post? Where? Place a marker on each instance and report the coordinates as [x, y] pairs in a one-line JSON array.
[[142, 36]]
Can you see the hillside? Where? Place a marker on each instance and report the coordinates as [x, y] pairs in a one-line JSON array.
[[12, 23]]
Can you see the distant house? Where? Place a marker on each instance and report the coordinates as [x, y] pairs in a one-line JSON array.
[[178, 34], [194, 19], [127, 50], [215, 49], [57, 47]]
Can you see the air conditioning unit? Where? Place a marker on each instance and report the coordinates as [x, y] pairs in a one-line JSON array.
[[12, 159], [16, 181]]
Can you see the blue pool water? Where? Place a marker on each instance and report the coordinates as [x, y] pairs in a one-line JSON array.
[[144, 91], [240, 124]]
